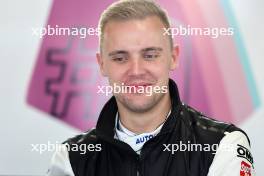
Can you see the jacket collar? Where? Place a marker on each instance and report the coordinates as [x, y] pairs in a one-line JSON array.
[[106, 122]]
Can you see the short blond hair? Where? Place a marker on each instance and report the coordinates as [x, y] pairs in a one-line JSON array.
[[124, 10]]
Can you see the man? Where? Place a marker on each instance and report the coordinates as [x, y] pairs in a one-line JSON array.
[[139, 133]]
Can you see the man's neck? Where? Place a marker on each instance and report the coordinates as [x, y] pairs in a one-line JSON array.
[[148, 121]]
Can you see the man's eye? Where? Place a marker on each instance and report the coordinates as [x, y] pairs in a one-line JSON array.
[[150, 56], [119, 59]]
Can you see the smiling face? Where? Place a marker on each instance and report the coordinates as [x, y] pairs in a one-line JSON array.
[[136, 53]]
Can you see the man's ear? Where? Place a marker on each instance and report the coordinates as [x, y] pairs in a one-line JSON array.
[[174, 58], [100, 63]]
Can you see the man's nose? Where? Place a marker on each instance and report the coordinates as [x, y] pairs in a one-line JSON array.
[[136, 66]]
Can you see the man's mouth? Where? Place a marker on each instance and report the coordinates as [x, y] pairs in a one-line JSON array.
[[139, 84]]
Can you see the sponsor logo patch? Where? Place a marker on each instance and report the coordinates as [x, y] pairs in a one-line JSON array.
[[243, 152], [245, 169], [144, 139]]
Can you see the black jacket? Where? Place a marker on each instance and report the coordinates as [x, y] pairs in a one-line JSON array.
[[117, 158]]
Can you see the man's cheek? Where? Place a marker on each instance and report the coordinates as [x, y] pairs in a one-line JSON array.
[[117, 77], [161, 74], [112, 72]]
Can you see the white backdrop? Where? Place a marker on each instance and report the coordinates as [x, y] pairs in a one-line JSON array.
[[21, 126]]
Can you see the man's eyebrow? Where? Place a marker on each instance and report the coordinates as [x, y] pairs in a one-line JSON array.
[[117, 52], [151, 49]]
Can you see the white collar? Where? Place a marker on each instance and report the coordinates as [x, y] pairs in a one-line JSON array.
[[136, 141]]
